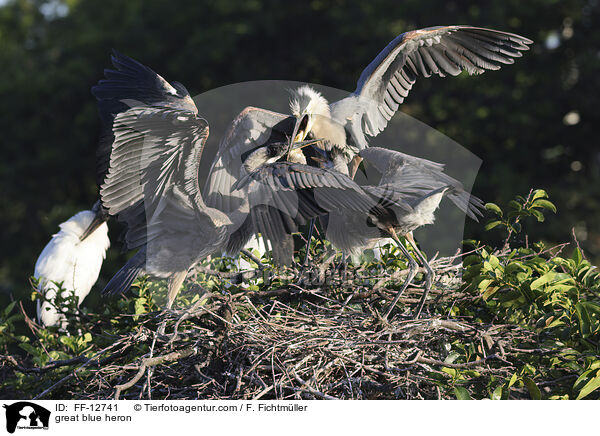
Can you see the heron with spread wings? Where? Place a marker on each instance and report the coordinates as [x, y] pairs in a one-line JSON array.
[[343, 126], [150, 153], [150, 163]]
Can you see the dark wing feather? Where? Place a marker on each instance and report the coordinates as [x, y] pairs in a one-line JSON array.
[[284, 195], [252, 128], [127, 85], [387, 80], [410, 175], [153, 167]]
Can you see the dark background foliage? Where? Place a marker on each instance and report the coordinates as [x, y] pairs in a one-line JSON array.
[[531, 123]]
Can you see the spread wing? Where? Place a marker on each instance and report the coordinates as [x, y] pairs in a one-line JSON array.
[[153, 170], [252, 128], [128, 85], [284, 195], [408, 175], [446, 50]]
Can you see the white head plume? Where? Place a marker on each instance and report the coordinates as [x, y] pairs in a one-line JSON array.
[[306, 100]]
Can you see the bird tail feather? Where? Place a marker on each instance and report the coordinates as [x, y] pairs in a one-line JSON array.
[[122, 280]]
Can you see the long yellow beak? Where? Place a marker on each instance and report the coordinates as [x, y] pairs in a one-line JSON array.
[[300, 136], [299, 133]]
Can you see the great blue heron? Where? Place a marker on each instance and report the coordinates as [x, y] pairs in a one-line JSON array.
[[409, 192], [387, 80], [148, 165], [152, 180], [73, 257], [154, 164], [344, 125]]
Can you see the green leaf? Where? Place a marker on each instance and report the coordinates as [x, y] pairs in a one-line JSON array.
[[489, 292], [497, 394], [451, 358], [577, 256], [484, 284], [140, 306], [538, 215], [461, 393], [491, 225], [494, 208], [591, 307], [546, 278], [544, 204], [514, 266], [450, 371], [470, 260], [529, 369], [590, 387], [515, 205], [539, 193], [533, 389], [583, 317], [9, 309], [494, 262], [582, 380], [30, 349]]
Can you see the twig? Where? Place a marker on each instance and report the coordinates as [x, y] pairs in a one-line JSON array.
[[253, 258], [152, 361], [308, 388], [72, 374]]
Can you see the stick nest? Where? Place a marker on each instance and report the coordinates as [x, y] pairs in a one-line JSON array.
[[297, 342]]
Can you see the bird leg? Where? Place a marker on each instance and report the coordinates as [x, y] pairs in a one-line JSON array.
[[311, 227], [175, 282], [342, 267], [173, 286], [412, 270], [253, 258], [428, 279]]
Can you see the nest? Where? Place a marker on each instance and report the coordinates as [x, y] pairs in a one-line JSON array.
[[298, 342]]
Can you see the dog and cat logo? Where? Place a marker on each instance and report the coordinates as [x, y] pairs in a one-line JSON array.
[[26, 415]]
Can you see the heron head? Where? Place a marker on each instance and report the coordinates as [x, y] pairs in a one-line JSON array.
[[264, 154], [307, 105]]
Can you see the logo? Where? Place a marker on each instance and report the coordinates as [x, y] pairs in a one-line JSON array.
[[26, 415]]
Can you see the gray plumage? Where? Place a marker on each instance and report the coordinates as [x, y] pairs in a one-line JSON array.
[[283, 195], [409, 192], [444, 50], [345, 125], [414, 175], [152, 180]]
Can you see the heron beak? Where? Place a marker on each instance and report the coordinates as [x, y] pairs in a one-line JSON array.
[[297, 145], [300, 129], [96, 222], [299, 133], [355, 164]]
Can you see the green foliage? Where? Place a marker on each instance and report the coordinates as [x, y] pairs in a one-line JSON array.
[[540, 289], [524, 324], [512, 118]]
